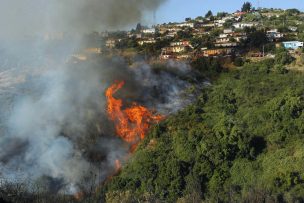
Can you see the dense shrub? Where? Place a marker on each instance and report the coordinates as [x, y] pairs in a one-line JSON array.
[[241, 141]]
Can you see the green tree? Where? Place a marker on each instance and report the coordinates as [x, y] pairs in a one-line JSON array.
[[138, 27], [209, 14], [228, 23], [246, 7], [257, 39], [238, 61], [293, 11], [221, 14], [282, 57]]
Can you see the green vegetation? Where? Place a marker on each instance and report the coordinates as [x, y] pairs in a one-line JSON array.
[[209, 14], [246, 7], [242, 140]]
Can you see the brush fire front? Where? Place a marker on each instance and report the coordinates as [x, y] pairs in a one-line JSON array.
[[132, 123]]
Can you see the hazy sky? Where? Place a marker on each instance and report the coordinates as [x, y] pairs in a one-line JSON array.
[[178, 10]]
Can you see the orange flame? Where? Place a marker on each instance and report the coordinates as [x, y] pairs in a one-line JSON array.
[[132, 123]]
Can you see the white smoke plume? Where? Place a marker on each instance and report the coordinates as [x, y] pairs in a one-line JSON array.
[[53, 121], [32, 17]]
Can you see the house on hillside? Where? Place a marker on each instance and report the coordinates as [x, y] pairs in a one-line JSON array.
[[223, 38], [149, 31], [181, 43], [292, 28], [136, 35], [292, 44], [228, 31], [274, 35], [199, 32], [219, 23], [186, 24], [217, 52], [209, 25], [239, 36], [175, 49], [239, 13], [111, 43], [146, 41], [243, 25], [226, 44], [230, 39]]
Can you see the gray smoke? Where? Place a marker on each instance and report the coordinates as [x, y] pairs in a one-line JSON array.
[[53, 122], [32, 17], [57, 126]]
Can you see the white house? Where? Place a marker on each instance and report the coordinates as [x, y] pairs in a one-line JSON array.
[[111, 43], [226, 44], [186, 24], [293, 29], [274, 34], [146, 41], [180, 43], [149, 31], [243, 25], [228, 31], [293, 44]]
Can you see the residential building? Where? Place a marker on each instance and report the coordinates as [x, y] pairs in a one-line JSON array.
[[217, 52], [223, 39], [139, 35], [171, 34], [292, 28], [219, 23], [111, 43], [209, 25], [293, 44], [226, 44], [239, 13], [149, 31], [274, 35], [181, 43], [228, 31], [186, 24], [199, 32], [146, 41], [175, 49], [243, 25]]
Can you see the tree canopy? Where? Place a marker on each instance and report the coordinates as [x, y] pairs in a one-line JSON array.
[[209, 14], [247, 6], [241, 141]]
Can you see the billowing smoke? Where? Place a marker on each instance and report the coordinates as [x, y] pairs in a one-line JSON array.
[[32, 17], [57, 126], [53, 121]]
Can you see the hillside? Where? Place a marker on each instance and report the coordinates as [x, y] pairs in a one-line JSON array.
[[241, 141], [208, 109]]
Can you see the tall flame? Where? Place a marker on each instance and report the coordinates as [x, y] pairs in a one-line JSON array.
[[131, 123]]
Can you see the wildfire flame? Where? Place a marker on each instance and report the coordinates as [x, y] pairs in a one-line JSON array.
[[132, 123]]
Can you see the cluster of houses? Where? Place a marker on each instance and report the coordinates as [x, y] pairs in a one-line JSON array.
[[225, 44], [177, 50]]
